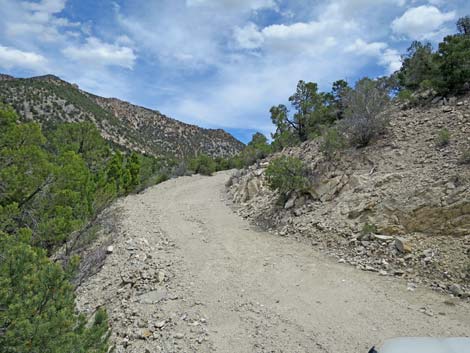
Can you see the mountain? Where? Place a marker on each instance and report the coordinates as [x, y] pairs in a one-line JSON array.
[[49, 99]]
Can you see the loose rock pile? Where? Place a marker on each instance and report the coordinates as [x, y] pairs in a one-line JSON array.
[[399, 207]]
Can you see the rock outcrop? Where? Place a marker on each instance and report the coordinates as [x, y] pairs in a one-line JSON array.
[[399, 207]]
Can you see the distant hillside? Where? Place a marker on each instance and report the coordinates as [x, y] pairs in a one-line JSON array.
[[49, 99]]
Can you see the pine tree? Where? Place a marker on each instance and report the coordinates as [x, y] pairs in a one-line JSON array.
[[37, 309]]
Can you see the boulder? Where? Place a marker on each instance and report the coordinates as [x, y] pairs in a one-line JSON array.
[[380, 237], [327, 190], [252, 188], [403, 245], [456, 290], [290, 202], [160, 276], [258, 172]]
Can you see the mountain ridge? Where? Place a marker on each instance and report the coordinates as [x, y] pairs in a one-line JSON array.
[[48, 98]]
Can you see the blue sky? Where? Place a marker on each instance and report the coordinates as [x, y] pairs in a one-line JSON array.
[[215, 63]]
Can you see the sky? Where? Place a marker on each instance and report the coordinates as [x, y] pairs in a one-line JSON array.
[[215, 63]]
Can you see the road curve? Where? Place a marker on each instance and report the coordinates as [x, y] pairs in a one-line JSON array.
[[258, 292]]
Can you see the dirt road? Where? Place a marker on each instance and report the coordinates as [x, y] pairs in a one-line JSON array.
[[218, 285]]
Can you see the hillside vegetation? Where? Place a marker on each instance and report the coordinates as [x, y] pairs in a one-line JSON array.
[[48, 99], [54, 181], [377, 174]]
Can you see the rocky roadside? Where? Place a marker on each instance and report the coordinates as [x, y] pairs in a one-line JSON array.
[[399, 207], [183, 273], [149, 308]]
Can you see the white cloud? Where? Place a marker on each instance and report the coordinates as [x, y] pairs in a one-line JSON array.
[[387, 57], [360, 47], [306, 38], [46, 6], [96, 52], [14, 58], [391, 59], [230, 5], [187, 38], [248, 37], [421, 22], [40, 20]]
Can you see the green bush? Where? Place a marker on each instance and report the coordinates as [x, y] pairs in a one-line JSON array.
[[161, 178], [37, 304], [406, 96], [286, 174], [203, 164], [332, 141], [258, 148], [454, 62], [369, 228], [419, 65], [442, 138], [365, 117], [447, 70]]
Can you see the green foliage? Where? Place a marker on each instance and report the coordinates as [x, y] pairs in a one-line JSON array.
[[259, 143], [25, 164], [55, 185], [284, 135], [115, 172], [37, 309], [236, 162], [364, 117], [406, 96], [82, 138], [339, 92], [332, 141], [442, 138], [286, 174], [368, 228], [447, 70], [161, 178], [51, 186], [419, 64], [454, 63], [463, 25], [258, 148], [132, 172], [203, 164], [313, 110], [283, 139], [222, 164]]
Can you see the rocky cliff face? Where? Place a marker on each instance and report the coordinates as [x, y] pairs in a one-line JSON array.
[[399, 207], [50, 99]]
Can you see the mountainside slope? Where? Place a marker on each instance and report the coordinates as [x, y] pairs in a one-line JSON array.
[[49, 99], [400, 206]]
